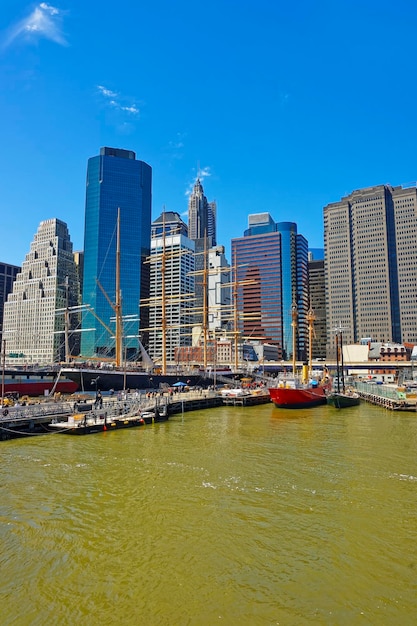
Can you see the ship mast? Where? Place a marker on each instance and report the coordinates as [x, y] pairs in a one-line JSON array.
[[235, 326], [294, 317], [310, 319], [205, 304], [163, 301], [66, 322], [118, 304]]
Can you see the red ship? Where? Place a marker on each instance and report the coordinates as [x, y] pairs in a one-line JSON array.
[[298, 392], [291, 393]]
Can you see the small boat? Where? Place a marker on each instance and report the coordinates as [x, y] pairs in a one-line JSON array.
[[297, 392], [236, 392], [341, 398]]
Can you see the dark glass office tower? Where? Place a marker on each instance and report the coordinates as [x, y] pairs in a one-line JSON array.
[[116, 180], [294, 276], [270, 265]]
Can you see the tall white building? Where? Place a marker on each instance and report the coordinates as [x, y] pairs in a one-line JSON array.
[[171, 292], [48, 284], [219, 290]]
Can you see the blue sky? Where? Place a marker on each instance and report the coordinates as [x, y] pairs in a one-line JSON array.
[[284, 107]]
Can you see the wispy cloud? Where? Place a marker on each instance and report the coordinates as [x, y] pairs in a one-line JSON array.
[[116, 101], [45, 21], [202, 173], [174, 149], [284, 98]]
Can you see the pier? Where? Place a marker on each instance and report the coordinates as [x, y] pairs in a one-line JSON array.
[[133, 410], [388, 396]]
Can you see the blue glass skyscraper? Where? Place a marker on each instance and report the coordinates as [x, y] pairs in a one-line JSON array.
[[115, 180]]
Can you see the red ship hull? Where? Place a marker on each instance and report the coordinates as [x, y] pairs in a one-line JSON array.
[[288, 398], [30, 383]]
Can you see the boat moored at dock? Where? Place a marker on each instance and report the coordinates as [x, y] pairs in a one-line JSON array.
[[303, 390]]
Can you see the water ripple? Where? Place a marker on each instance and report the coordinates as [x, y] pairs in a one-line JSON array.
[[236, 516]]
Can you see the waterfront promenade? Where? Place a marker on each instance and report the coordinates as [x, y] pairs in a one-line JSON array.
[[121, 409]]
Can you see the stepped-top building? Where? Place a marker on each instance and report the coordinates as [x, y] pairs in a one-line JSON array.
[[202, 230], [201, 216], [48, 285]]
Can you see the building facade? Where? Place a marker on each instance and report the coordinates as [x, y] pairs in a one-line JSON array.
[[8, 275], [47, 286], [371, 265], [171, 301], [201, 215], [219, 290], [270, 269], [317, 293], [116, 181], [170, 223]]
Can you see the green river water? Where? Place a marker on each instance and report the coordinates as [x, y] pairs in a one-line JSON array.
[[254, 516]]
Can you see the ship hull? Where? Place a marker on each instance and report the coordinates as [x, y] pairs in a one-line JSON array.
[[31, 383], [287, 398], [116, 380], [343, 400]]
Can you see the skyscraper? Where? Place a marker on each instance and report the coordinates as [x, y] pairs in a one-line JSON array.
[[201, 215], [34, 320], [270, 264], [202, 230], [8, 275], [218, 290], [116, 180], [371, 265], [317, 293], [172, 288]]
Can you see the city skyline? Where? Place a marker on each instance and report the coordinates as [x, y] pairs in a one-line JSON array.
[[279, 111]]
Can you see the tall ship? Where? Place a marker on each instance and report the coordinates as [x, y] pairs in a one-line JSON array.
[[121, 375], [298, 391], [118, 378]]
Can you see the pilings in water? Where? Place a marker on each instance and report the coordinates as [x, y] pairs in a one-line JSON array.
[[387, 397]]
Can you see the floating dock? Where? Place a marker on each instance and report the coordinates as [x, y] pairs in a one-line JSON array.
[[85, 418]]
